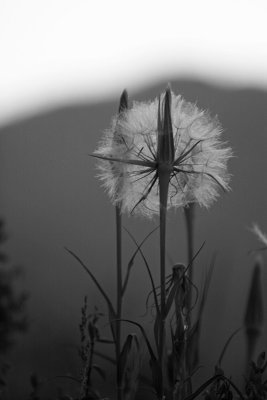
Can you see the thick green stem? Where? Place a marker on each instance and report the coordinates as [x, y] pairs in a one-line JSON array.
[[163, 194], [119, 298]]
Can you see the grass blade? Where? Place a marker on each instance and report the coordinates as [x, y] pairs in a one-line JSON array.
[[131, 262], [101, 290], [148, 270], [227, 344]]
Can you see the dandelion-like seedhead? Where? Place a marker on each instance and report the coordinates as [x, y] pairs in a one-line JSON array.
[[130, 155]]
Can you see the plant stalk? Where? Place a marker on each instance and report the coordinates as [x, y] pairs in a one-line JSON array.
[[122, 107], [189, 217], [164, 177], [119, 297]]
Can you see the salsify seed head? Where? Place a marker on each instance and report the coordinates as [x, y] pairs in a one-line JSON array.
[[170, 133]]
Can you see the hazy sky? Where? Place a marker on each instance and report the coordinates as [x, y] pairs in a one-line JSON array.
[[56, 51]]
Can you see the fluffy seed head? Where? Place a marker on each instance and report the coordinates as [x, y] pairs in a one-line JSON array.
[[129, 156]]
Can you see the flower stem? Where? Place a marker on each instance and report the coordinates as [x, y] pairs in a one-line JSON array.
[[163, 194], [119, 298], [189, 217]]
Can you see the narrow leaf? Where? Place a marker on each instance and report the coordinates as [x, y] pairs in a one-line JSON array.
[[226, 345], [100, 371], [105, 357], [112, 320], [171, 298], [131, 262], [233, 385], [125, 161], [152, 355], [101, 290], [202, 387], [193, 259], [124, 355], [148, 270], [106, 341], [194, 333]]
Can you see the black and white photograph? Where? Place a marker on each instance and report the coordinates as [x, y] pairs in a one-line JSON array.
[[133, 203]]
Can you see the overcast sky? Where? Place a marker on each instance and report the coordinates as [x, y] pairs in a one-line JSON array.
[[55, 51]]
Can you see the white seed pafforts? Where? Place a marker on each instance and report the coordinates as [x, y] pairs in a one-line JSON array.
[[130, 155]]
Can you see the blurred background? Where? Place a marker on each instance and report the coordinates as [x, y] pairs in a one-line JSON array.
[[63, 67]]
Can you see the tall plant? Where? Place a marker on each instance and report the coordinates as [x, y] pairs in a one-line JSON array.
[[168, 154]]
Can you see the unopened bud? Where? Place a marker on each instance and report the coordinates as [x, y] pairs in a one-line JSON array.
[[123, 101]]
